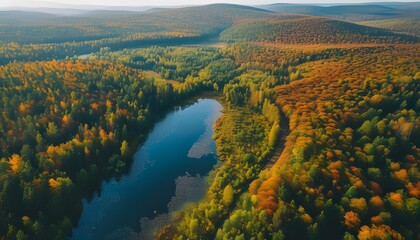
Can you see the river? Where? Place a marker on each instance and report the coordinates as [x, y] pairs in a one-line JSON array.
[[166, 174]]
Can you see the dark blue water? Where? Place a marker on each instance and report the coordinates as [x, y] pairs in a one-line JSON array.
[[181, 143]]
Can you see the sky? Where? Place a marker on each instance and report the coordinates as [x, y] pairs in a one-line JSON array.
[[52, 3]]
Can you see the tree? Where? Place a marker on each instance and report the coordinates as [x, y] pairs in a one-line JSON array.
[[228, 194], [359, 205], [378, 232], [27, 153], [352, 220], [125, 152], [21, 235], [194, 226], [273, 136], [52, 132], [15, 162]]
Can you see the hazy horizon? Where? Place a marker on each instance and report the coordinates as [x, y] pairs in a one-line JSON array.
[[63, 3]]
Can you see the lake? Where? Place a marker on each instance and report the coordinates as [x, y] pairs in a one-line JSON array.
[[166, 173]]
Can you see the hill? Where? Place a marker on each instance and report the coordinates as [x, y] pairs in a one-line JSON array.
[[16, 17], [349, 12], [401, 25], [241, 22], [41, 36], [214, 17], [99, 24], [295, 29]]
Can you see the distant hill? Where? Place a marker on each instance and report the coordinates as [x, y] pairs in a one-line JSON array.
[[22, 17], [214, 17], [406, 6], [352, 12], [401, 25], [237, 22], [213, 13], [300, 29], [70, 9]]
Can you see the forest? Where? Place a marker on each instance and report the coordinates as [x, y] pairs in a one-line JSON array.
[[319, 137]]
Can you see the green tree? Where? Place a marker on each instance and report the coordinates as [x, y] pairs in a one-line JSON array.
[[273, 136], [228, 194], [194, 226], [125, 152], [52, 132]]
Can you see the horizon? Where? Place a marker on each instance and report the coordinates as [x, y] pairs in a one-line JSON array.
[[166, 3]]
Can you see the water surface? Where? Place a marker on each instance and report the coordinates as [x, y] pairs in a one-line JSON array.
[[180, 146]]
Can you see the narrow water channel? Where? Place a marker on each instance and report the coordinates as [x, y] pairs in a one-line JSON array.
[[178, 148]]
